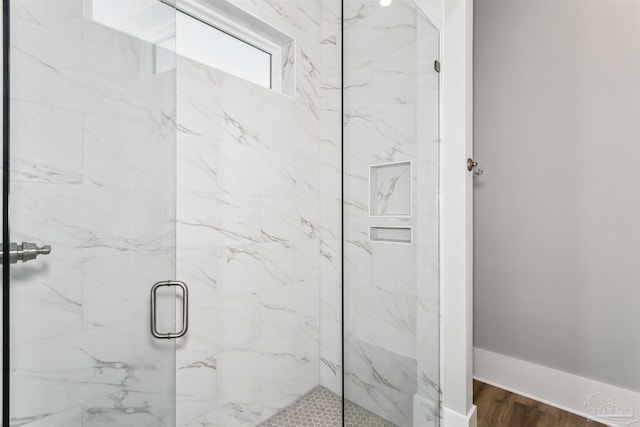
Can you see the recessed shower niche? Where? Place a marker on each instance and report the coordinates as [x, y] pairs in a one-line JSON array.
[[390, 234], [390, 189]]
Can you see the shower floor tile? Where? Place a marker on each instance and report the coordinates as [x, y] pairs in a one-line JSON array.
[[357, 416], [323, 408]]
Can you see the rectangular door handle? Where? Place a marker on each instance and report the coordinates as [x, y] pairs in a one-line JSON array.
[[185, 310]]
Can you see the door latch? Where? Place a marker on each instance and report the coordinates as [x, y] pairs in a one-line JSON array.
[[472, 166]]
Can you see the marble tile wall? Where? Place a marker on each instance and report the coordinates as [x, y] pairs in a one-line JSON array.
[[258, 241], [331, 196], [391, 290], [93, 139]]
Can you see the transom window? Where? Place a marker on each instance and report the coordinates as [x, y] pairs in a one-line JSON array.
[[214, 32]]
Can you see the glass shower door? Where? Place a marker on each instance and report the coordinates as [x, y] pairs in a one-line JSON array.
[[92, 174], [391, 215]]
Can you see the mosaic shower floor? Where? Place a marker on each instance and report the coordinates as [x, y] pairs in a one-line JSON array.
[[323, 408]]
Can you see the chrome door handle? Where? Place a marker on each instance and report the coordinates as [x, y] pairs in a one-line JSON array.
[[185, 310], [472, 166], [25, 251]]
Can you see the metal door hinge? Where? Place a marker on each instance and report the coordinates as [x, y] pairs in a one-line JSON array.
[[436, 66]]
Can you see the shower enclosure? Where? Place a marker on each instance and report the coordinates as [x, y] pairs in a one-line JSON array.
[[218, 212]]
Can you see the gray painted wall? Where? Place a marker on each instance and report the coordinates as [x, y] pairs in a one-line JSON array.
[[557, 213]]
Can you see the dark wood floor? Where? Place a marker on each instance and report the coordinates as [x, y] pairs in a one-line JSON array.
[[500, 408]]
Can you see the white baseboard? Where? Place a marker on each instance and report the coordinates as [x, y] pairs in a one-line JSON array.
[[557, 388], [455, 419]]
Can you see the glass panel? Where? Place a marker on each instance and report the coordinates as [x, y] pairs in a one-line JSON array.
[[391, 217], [92, 174], [248, 238]]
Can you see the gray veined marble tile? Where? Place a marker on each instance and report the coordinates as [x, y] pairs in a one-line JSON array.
[[286, 307], [289, 219], [381, 381], [426, 413], [120, 153], [196, 163], [52, 288], [63, 418], [206, 219], [123, 409], [219, 322], [391, 188], [246, 171], [252, 268], [377, 31], [115, 289], [46, 144], [247, 369], [217, 105]]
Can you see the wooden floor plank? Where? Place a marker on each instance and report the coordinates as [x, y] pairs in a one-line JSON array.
[[501, 408]]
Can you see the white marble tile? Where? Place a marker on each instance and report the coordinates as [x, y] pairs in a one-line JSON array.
[[331, 217], [330, 351], [395, 268], [331, 267], [280, 393], [196, 384], [376, 31], [197, 266], [46, 144], [217, 219], [428, 337], [281, 131], [191, 412], [65, 418], [217, 105], [357, 264], [285, 307], [307, 173], [46, 298], [59, 373], [218, 322], [116, 288], [67, 71], [60, 16], [124, 409], [331, 17], [381, 381], [386, 319], [124, 154], [258, 267], [248, 368], [196, 163], [426, 413], [289, 219], [85, 220], [245, 171]]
